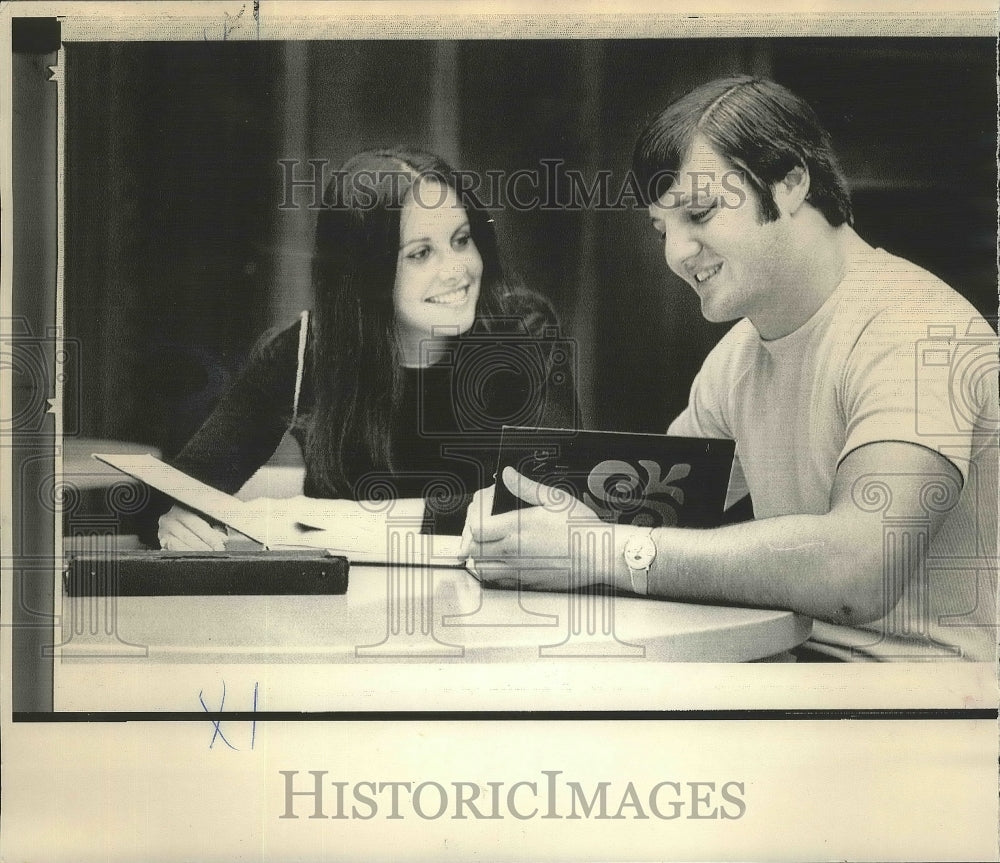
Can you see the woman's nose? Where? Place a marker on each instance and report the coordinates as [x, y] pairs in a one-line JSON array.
[[452, 267]]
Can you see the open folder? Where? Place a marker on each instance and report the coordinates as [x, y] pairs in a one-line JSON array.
[[362, 539]]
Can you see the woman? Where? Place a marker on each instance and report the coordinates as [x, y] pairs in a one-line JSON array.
[[417, 352]]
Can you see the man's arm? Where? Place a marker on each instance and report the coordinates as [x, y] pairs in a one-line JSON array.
[[828, 566]]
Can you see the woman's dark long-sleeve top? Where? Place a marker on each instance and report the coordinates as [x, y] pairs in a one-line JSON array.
[[447, 432]]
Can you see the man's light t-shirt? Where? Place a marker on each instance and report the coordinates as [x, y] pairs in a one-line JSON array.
[[893, 355]]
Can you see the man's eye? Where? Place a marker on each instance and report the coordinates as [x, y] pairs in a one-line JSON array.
[[701, 214]]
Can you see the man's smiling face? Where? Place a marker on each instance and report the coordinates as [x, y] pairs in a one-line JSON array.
[[714, 239]]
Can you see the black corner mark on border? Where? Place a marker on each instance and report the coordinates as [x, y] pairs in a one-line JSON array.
[[35, 35]]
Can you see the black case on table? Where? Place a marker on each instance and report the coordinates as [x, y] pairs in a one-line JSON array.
[[174, 573]]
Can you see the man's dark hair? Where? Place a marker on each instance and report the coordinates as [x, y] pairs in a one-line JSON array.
[[763, 129]]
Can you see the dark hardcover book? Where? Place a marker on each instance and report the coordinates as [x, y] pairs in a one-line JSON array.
[[645, 479], [174, 573]]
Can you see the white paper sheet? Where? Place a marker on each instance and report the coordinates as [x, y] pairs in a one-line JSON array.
[[363, 538]]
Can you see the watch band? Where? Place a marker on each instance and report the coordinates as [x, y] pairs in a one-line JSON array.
[[639, 554], [639, 579]]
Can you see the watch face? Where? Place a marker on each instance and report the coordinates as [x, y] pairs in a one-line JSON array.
[[639, 552]]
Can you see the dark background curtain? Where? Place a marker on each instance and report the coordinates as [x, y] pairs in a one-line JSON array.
[[179, 255]]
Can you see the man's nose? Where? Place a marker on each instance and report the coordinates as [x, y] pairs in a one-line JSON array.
[[678, 247]]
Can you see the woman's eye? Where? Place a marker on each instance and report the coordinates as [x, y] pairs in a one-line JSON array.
[[419, 254], [462, 240]]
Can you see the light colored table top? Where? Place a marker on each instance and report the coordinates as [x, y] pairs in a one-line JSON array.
[[401, 638], [347, 655], [428, 614]]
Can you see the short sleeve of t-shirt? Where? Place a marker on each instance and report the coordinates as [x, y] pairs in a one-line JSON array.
[[707, 413], [703, 416], [922, 378]]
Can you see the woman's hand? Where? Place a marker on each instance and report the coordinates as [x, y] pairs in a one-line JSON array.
[[533, 547], [181, 529]]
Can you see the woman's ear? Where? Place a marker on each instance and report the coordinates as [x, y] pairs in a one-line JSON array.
[[792, 191]]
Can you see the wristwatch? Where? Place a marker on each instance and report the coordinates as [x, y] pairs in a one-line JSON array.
[[639, 553]]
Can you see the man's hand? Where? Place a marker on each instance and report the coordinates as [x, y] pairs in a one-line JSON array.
[[532, 547]]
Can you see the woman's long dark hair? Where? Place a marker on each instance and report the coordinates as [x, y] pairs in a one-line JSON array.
[[357, 374]]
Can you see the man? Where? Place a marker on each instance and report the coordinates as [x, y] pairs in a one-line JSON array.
[[855, 452]]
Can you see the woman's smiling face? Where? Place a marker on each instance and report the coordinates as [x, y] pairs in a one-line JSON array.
[[439, 269]]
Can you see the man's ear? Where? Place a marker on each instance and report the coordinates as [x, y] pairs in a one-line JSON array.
[[791, 192]]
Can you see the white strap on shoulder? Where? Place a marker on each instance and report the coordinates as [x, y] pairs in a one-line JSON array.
[[300, 363]]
